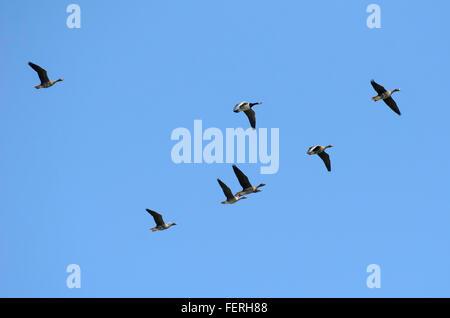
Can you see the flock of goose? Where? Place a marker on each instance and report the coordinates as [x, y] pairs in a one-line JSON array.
[[246, 107], [247, 187]]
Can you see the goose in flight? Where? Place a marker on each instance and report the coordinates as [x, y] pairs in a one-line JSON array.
[[160, 224], [246, 107], [247, 187], [230, 197], [45, 81], [320, 151], [386, 96]]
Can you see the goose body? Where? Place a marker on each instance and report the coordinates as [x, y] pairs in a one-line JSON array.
[[320, 151], [246, 107], [247, 187], [160, 224], [228, 194], [386, 96], [45, 81]]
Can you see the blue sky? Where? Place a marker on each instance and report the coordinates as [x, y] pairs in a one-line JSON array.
[[81, 161]]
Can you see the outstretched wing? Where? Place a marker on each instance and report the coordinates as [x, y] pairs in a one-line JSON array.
[[226, 190], [326, 159], [41, 72], [156, 216], [251, 117], [392, 104], [243, 180], [378, 88]]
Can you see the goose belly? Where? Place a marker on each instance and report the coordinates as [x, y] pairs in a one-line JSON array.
[[385, 95], [249, 190]]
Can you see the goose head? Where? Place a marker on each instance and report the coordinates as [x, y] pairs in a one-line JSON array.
[[54, 82], [261, 185]]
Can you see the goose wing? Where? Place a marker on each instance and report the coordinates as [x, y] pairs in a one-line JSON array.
[[313, 149], [226, 190], [326, 159], [243, 180], [251, 117], [41, 72], [378, 88], [392, 104], [156, 216], [238, 106]]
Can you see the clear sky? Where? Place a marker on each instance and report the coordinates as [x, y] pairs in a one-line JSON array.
[[81, 161]]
